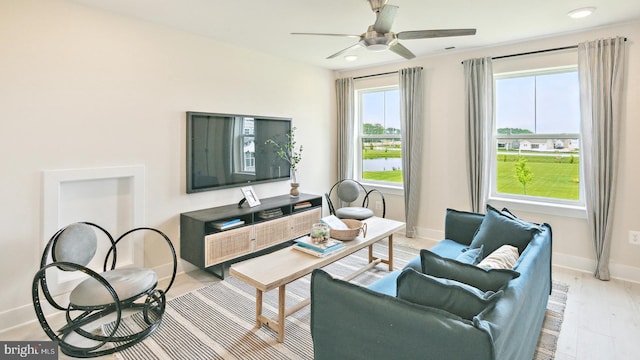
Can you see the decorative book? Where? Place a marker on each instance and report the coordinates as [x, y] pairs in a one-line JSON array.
[[271, 213], [309, 251], [327, 246], [302, 205], [334, 222], [223, 225]]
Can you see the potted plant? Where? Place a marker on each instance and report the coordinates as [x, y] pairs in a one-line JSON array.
[[288, 152]]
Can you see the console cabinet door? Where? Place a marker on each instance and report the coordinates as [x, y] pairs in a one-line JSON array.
[[226, 245], [301, 222], [272, 232]]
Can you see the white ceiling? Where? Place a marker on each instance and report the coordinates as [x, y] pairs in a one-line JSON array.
[[265, 25]]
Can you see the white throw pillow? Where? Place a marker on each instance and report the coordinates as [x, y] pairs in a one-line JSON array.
[[503, 258]]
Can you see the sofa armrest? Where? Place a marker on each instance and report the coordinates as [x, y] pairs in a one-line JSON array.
[[461, 226], [351, 322]]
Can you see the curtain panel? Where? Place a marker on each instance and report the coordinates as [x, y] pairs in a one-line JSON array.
[[411, 118], [478, 75], [345, 104], [601, 66]]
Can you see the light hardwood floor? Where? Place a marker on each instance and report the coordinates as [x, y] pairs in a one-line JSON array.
[[601, 320]]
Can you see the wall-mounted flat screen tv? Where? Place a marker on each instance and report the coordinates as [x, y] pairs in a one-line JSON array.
[[229, 150]]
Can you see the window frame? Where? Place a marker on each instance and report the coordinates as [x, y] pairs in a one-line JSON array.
[[385, 186], [240, 158], [554, 206]]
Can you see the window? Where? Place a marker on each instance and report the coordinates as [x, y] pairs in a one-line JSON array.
[[379, 142], [248, 157], [537, 136]]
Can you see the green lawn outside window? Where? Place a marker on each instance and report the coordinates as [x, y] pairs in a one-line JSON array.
[[553, 176]]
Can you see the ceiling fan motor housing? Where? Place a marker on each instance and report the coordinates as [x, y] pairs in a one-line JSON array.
[[375, 41]]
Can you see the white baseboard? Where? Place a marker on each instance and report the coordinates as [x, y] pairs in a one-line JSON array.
[[430, 234], [617, 271], [15, 317]]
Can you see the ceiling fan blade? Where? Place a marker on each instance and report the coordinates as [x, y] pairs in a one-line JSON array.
[[402, 51], [323, 34], [344, 51], [425, 34], [384, 19]]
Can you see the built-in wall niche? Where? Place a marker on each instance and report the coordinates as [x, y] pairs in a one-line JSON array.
[[111, 197]]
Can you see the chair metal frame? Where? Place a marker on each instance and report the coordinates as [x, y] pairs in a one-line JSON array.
[[151, 302], [365, 201]]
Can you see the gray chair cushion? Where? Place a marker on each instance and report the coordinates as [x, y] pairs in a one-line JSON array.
[[348, 191], [76, 244], [358, 213], [127, 283]]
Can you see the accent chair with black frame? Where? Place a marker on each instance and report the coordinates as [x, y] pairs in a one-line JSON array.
[[348, 191], [102, 297]]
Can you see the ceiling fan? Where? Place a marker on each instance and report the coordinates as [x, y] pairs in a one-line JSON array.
[[379, 36]]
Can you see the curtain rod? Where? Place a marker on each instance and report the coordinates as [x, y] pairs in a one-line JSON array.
[[381, 74], [537, 52], [532, 52], [368, 76]]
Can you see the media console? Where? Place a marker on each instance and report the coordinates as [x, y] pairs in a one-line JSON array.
[[216, 237]]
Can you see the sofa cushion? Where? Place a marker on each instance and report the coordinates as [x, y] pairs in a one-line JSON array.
[[471, 256], [449, 295], [387, 284], [503, 258], [460, 226], [498, 229], [445, 248], [483, 279]]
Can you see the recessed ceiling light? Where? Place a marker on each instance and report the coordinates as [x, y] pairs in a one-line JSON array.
[[351, 57], [582, 12]]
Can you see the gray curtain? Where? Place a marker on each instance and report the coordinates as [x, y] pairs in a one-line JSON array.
[[478, 75], [601, 68], [411, 118], [345, 104]]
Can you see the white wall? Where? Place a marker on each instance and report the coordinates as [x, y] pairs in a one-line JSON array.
[[444, 167], [82, 88]]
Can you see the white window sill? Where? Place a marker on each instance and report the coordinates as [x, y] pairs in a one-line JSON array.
[[384, 188], [574, 211]]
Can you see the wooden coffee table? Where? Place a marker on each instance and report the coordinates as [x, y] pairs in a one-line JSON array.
[[279, 268]]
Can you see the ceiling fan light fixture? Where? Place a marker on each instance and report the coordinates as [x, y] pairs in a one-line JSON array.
[[377, 42], [377, 47], [581, 12], [351, 58]]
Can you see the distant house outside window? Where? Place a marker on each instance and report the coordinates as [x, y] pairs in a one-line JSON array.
[[379, 138], [248, 146], [537, 136]]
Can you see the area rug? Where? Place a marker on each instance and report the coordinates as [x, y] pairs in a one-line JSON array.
[[548, 341], [218, 321]]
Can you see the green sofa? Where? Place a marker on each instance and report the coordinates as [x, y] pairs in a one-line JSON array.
[[354, 322]]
